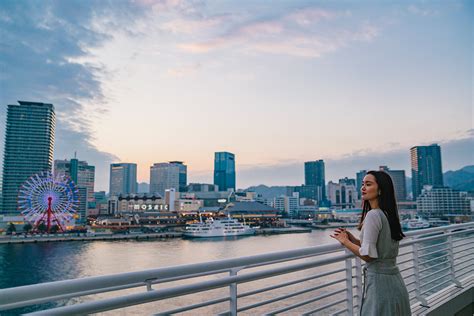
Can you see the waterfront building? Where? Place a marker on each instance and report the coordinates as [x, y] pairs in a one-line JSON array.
[[202, 187], [188, 205], [343, 194], [443, 202], [288, 205], [29, 144], [224, 170], [211, 199], [101, 205], [171, 196], [359, 178], [253, 212], [314, 175], [426, 168], [399, 182], [168, 175], [123, 179], [80, 172], [135, 203]]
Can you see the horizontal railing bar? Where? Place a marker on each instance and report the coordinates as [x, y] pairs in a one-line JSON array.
[[190, 307], [463, 261], [50, 289], [434, 265], [463, 274], [411, 290], [405, 269], [408, 276], [405, 261], [324, 307], [437, 285], [342, 311], [460, 269], [436, 229], [460, 251], [410, 283], [289, 283], [433, 252], [423, 239], [469, 242], [141, 298], [434, 259], [433, 273], [314, 299], [435, 245], [276, 299], [406, 253]]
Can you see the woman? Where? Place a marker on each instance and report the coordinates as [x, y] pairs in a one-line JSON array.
[[384, 290]]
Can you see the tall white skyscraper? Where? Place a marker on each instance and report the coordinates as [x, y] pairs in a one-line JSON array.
[[168, 175]]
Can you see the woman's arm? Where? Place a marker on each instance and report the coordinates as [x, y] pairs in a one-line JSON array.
[[352, 238], [343, 238]]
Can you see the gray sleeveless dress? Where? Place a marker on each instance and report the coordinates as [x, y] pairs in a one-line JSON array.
[[384, 291]]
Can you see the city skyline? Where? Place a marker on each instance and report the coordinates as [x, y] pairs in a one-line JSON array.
[[354, 85]]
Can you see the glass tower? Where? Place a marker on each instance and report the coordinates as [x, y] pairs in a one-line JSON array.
[[314, 176], [425, 168], [123, 178], [29, 144], [224, 170]]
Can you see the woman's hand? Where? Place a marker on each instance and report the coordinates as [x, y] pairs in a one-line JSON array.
[[341, 235]]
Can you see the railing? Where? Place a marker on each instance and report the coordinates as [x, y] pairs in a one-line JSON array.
[[324, 279]]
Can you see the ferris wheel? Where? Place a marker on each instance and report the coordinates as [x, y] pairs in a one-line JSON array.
[[51, 200]]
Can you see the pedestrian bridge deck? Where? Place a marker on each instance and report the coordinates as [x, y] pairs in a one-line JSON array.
[[437, 265]]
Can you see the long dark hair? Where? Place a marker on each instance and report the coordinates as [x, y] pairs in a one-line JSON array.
[[387, 204]]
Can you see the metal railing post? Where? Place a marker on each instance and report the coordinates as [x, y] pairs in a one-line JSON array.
[[358, 273], [416, 268], [350, 298], [451, 261], [233, 293]]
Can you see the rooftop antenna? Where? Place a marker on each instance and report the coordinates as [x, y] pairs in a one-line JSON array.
[[75, 154]]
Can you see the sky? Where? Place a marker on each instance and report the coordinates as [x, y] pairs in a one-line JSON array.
[[277, 83]]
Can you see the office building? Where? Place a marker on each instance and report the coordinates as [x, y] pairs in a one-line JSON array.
[[224, 170], [168, 175], [425, 168], [399, 182], [80, 172], [442, 202], [123, 179], [29, 144], [314, 176]]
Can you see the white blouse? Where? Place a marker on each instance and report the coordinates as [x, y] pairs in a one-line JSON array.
[[370, 233]]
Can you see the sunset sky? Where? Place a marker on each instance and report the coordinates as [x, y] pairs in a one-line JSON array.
[[356, 83]]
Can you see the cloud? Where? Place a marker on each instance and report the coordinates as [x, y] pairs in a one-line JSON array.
[[184, 70], [456, 153], [299, 33], [41, 43]]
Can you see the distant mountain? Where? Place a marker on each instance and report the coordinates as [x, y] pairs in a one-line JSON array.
[[268, 192], [143, 187], [462, 179]]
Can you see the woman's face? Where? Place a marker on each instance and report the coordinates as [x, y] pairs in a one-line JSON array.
[[370, 188]]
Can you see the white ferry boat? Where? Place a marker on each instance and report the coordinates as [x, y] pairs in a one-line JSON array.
[[415, 223], [218, 228]]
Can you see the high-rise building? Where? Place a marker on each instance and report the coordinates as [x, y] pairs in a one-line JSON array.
[[224, 170], [168, 175], [314, 176], [425, 168], [80, 173], [29, 144], [359, 178], [399, 182], [123, 179]]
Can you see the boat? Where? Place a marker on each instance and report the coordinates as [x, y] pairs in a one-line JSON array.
[[415, 223], [218, 228], [436, 222]]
